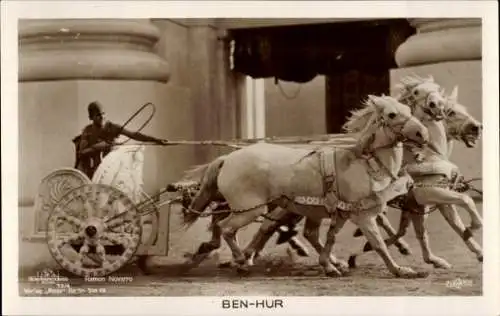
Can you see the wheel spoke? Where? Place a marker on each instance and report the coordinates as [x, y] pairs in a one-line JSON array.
[[70, 219], [116, 238], [88, 208], [74, 237], [117, 221]]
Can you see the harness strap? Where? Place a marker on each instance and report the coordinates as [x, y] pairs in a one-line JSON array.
[[327, 159]]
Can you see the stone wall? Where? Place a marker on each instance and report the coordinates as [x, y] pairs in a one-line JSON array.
[[65, 64]]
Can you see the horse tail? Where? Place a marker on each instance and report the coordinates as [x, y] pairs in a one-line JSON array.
[[207, 191]]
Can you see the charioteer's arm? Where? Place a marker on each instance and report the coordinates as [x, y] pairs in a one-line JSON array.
[[143, 137], [100, 146]]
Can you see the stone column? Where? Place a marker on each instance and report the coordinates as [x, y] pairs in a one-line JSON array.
[[64, 65], [116, 49], [450, 51], [212, 87]]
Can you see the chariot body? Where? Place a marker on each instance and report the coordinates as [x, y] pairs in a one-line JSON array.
[[93, 225]]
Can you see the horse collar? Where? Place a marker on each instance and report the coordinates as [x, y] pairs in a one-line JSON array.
[[376, 161]]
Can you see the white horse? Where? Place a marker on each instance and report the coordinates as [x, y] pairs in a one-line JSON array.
[[436, 172], [354, 187], [427, 102], [433, 186], [422, 94]]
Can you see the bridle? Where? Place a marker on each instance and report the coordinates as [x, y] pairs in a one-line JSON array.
[[396, 141], [413, 99], [455, 131]]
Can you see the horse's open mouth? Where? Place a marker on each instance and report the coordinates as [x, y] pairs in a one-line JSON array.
[[470, 140], [436, 116]]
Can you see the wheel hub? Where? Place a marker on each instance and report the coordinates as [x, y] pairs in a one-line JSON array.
[[90, 231]]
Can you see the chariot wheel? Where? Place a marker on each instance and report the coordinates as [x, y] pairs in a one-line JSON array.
[[94, 230]]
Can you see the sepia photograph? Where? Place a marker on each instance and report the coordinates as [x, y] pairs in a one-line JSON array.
[[259, 160]]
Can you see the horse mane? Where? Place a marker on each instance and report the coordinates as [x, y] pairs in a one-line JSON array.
[[458, 106], [361, 119], [404, 88]]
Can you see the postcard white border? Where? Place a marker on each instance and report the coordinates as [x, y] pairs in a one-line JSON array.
[[13, 10]]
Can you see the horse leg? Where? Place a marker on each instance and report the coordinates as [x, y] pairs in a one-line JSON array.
[[311, 234], [229, 227], [384, 222], [206, 248], [418, 220], [325, 257], [435, 195], [450, 213], [267, 229], [366, 222], [400, 243], [404, 223]]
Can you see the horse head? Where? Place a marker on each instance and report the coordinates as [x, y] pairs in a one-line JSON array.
[[460, 125], [424, 96], [385, 122]]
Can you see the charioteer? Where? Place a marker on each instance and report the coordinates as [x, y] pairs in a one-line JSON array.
[[97, 139]]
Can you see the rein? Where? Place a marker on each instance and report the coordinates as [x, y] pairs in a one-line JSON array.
[[399, 138]]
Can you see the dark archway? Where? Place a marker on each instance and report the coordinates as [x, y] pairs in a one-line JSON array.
[[355, 57]]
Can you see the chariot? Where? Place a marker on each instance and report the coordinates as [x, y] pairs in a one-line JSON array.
[[96, 226]]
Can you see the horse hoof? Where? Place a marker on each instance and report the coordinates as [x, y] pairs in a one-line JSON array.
[[422, 274], [404, 251], [242, 271], [440, 264], [342, 266], [333, 274], [226, 264], [344, 271], [285, 236], [409, 273], [467, 234], [302, 253], [480, 258], [352, 262]]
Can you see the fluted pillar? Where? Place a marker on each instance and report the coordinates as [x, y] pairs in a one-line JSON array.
[[116, 49], [450, 51], [66, 64], [441, 40]]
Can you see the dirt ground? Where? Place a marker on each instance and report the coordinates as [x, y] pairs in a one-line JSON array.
[[278, 273]]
